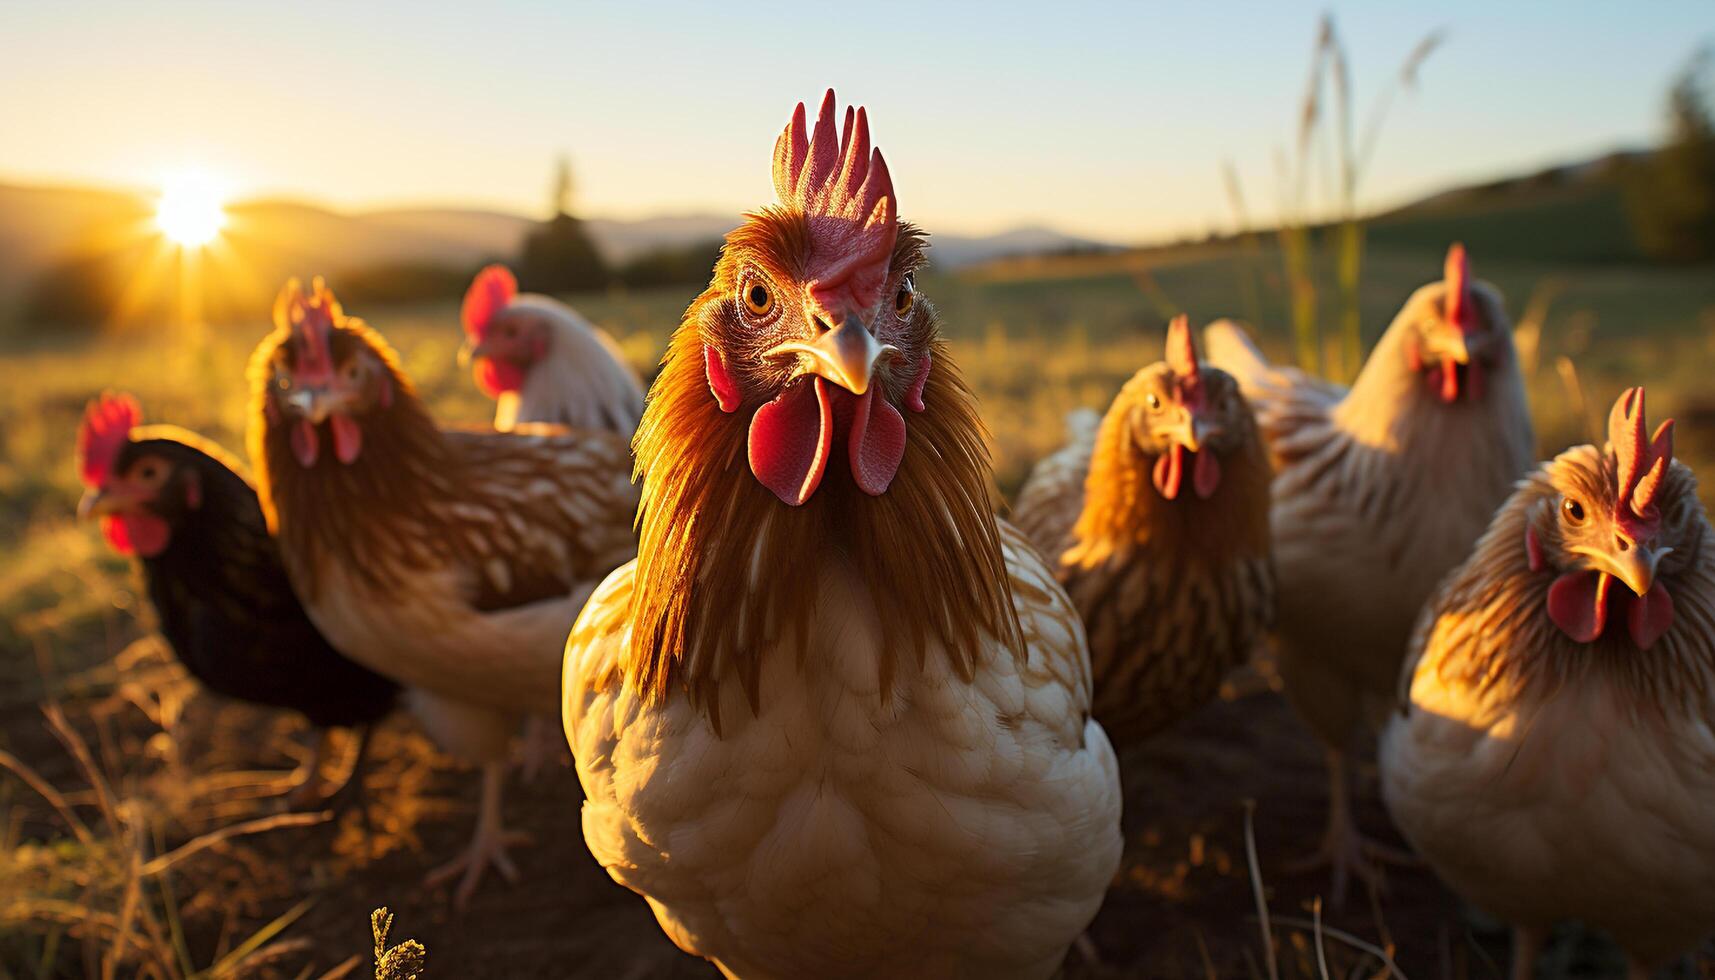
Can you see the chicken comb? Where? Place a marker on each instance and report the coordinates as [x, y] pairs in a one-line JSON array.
[[1642, 465], [490, 292], [1457, 275], [844, 191], [106, 428], [1182, 359], [309, 320]]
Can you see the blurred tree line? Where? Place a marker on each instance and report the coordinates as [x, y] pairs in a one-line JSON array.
[[1670, 196]]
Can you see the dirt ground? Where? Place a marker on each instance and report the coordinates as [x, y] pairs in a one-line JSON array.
[[1182, 905]]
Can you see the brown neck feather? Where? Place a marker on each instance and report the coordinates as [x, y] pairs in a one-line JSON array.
[[726, 573], [1124, 513]]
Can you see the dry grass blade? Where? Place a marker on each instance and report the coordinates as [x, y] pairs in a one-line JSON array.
[[1575, 394], [1316, 934], [47, 792], [229, 964], [1348, 939], [344, 969], [79, 750], [1257, 891], [213, 837]]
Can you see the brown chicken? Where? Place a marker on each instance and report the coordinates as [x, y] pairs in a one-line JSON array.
[[1156, 523], [453, 562], [1554, 760], [1378, 492]]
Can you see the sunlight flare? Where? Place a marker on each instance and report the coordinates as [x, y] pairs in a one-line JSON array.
[[191, 209]]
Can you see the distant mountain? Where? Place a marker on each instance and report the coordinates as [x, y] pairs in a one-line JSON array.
[[44, 228]]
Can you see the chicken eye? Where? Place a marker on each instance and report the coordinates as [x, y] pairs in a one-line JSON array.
[[284, 382], [352, 372], [1153, 401], [758, 300], [906, 298], [1572, 510]]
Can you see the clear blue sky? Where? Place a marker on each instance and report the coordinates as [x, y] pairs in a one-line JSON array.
[[1106, 119]]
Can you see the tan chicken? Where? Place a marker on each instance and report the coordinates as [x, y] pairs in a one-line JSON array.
[[835, 719], [1378, 492], [450, 561], [1555, 759], [542, 362], [1156, 523]]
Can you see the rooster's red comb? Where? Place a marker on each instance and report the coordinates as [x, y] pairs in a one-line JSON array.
[[846, 195], [490, 292], [1457, 275], [309, 319], [1182, 358], [106, 427], [1641, 465]]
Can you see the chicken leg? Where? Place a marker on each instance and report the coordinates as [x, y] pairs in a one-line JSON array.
[[1344, 849], [488, 845]]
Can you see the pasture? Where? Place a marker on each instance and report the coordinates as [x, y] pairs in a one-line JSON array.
[[139, 764]]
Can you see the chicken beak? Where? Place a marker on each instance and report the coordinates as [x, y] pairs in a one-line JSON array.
[[845, 355], [314, 404], [1454, 346], [1633, 564], [94, 503], [1193, 431], [469, 352]]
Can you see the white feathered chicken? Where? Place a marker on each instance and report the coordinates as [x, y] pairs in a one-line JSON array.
[[835, 719], [1378, 492], [1555, 760], [542, 362]]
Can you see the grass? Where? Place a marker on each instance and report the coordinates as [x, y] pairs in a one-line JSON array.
[[117, 872]]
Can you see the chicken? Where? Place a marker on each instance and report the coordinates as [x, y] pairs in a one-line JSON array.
[[1378, 492], [1157, 525], [1554, 759], [453, 562], [542, 362], [834, 721], [181, 507]]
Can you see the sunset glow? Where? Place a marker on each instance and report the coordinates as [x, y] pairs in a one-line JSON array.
[[191, 210]]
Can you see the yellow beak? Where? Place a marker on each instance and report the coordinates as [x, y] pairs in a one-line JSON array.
[[1634, 564], [845, 355]]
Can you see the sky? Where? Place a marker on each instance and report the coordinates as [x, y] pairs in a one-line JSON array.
[[1108, 120]]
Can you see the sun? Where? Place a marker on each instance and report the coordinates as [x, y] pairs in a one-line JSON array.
[[191, 210]]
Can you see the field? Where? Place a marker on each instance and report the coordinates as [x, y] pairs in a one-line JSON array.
[[141, 764]]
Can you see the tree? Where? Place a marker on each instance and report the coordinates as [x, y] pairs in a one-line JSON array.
[[558, 256], [1671, 197]]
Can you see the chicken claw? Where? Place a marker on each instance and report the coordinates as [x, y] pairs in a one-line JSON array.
[[487, 847]]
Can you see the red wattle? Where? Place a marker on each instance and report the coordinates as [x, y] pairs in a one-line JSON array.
[[347, 437], [1578, 604], [305, 445], [495, 376], [1449, 382], [135, 533], [1205, 474], [1169, 471], [790, 438], [1649, 616], [875, 441]]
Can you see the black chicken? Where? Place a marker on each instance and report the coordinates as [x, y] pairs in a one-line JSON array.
[[179, 504]]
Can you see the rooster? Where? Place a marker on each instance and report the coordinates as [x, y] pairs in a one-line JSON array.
[[1554, 759], [451, 561], [1378, 492], [542, 362], [835, 719], [1157, 525], [182, 509]]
